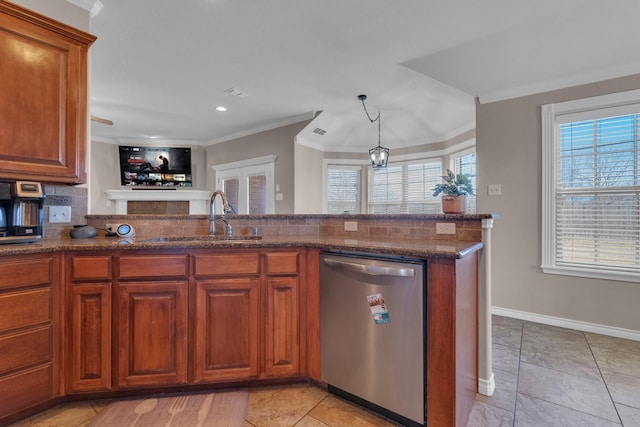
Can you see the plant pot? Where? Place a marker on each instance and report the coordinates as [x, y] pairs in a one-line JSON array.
[[454, 204]]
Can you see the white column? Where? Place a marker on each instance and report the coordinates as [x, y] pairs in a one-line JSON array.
[[486, 381]]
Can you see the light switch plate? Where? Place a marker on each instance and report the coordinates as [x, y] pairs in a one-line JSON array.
[[445, 228], [350, 226], [59, 214]]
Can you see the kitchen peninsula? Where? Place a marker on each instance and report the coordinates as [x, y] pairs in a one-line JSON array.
[[80, 313]]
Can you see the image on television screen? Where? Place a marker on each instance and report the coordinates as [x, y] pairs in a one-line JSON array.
[[155, 166]]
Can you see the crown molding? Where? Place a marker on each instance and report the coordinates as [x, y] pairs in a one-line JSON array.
[[93, 6]]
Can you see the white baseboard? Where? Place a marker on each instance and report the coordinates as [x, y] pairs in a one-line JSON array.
[[487, 387], [578, 325]]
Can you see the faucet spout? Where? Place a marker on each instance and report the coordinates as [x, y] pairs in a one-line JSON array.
[[212, 211]]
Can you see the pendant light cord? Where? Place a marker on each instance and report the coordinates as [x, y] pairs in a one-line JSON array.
[[378, 119]]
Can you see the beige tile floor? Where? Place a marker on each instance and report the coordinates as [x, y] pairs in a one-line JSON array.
[[545, 377], [299, 405], [549, 376]]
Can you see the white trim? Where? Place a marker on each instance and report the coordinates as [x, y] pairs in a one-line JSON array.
[[198, 200], [578, 325], [242, 170], [551, 116], [487, 387], [599, 102], [245, 163], [93, 6], [341, 164]]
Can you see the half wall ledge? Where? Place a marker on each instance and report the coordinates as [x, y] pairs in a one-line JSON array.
[[198, 199]]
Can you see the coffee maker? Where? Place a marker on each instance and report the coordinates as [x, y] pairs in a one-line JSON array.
[[21, 211]]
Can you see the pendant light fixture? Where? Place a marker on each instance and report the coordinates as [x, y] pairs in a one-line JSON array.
[[379, 155]]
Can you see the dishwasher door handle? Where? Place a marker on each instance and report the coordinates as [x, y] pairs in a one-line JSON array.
[[371, 270]]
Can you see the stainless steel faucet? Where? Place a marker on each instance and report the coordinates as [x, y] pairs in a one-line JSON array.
[[212, 213]]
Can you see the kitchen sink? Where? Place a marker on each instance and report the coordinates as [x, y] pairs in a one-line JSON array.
[[226, 239]]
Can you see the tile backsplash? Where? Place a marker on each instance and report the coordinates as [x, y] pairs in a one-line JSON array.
[[64, 195]]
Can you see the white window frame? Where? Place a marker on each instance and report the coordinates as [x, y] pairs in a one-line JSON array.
[[325, 186], [552, 116], [241, 170], [341, 163]]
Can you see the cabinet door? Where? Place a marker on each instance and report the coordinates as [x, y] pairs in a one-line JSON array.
[[30, 314], [152, 333], [43, 82], [226, 329], [282, 338], [90, 337]]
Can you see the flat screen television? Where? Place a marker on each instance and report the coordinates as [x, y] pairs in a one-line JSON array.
[[155, 166]]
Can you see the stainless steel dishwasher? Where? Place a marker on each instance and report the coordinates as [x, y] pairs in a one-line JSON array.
[[372, 325]]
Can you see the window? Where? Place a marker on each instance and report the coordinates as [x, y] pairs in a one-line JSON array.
[[591, 187], [249, 185], [343, 189], [465, 162], [405, 188]]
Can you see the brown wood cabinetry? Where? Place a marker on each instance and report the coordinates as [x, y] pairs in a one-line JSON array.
[[226, 329], [247, 315], [29, 331], [89, 323], [282, 324], [43, 82], [152, 320]]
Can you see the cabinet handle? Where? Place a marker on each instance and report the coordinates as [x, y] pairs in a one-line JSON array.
[[371, 270]]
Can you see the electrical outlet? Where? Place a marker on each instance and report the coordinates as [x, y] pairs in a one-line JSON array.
[[445, 228], [494, 190], [59, 214], [350, 226]]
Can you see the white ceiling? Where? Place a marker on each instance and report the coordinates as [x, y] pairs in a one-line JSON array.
[[159, 68]]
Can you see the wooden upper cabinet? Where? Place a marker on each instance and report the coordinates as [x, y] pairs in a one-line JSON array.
[[43, 107]]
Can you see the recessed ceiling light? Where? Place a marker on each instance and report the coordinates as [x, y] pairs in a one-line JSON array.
[[153, 137], [221, 108]]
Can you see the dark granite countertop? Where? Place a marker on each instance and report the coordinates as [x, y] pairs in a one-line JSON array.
[[414, 248]]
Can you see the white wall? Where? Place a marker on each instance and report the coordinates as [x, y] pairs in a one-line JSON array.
[[508, 146]]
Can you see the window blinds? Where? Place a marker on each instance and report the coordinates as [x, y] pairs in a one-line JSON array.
[[597, 193], [405, 188], [343, 190]]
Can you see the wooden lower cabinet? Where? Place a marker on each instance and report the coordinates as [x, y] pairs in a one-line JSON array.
[[247, 322], [89, 308], [226, 326], [151, 318], [30, 319], [152, 328], [90, 337], [282, 337]]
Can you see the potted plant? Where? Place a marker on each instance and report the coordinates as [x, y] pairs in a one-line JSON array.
[[454, 189]]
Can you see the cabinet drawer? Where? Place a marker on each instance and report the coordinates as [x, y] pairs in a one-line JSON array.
[[227, 264], [25, 349], [91, 268], [22, 309], [140, 266], [16, 274], [282, 262], [25, 389]]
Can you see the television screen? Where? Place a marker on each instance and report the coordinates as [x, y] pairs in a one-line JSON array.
[[155, 166]]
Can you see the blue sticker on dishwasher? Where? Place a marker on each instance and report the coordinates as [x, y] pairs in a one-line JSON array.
[[378, 309]]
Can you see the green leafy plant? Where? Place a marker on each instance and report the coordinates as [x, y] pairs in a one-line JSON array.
[[454, 185]]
